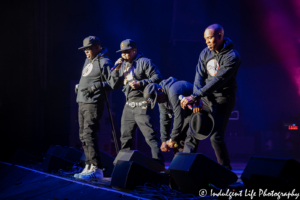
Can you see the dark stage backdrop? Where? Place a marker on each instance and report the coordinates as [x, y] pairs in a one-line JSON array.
[[41, 64]]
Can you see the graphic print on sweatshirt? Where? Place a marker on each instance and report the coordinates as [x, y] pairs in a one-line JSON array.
[[87, 69], [212, 67]]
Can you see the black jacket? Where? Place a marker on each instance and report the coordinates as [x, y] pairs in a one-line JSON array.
[[145, 71], [216, 72], [173, 89], [93, 78]]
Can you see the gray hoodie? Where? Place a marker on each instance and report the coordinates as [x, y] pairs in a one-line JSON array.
[[90, 76], [216, 72], [173, 88]]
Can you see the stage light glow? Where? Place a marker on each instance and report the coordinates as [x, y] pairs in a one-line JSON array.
[[282, 32], [293, 127]]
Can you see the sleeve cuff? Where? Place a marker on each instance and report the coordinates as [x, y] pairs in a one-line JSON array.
[[195, 97], [142, 83], [174, 139], [164, 140]]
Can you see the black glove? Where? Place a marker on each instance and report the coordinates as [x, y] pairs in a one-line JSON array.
[[88, 91]]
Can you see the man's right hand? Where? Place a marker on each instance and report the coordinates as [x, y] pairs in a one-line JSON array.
[[164, 147], [185, 101], [119, 62]]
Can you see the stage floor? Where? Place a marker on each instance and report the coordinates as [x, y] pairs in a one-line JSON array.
[[19, 182]]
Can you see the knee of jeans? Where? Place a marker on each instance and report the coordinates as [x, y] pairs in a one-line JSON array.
[[151, 140], [91, 143], [216, 138]]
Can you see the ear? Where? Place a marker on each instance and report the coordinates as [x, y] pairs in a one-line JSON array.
[[220, 35]]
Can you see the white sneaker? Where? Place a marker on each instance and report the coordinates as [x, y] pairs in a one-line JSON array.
[[93, 174], [85, 170]]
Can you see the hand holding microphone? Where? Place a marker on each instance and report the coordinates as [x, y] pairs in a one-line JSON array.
[[186, 101], [118, 64], [171, 143]]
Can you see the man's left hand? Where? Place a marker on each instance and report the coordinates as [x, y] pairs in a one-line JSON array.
[[134, 84], [87, 91], [164, 147], [198, 106]]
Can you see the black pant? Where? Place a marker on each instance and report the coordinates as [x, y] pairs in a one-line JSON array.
[[144, 119], [183, 133], [220, 108], [88, 117]]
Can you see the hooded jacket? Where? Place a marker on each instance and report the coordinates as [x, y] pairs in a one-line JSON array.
[[173, 88], [145, 71], [216, 72], [92, 77]]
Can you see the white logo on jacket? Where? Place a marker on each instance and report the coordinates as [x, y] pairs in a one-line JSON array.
[[212, 67], [87, 69]]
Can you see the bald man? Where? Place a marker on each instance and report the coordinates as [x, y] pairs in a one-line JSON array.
[[215, 85]]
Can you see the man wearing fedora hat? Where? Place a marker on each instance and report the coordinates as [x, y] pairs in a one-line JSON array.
[[167, 94], [215, 84], [90, 98], [135, 72]]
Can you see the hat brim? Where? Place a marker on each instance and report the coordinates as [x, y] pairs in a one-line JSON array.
[[85, 46], [200, 136], [154, 101], [124, 49], [156, 94]]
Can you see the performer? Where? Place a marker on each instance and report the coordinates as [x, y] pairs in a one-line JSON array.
[[166, 94], [90, 98], [215, 83], [135, 72]]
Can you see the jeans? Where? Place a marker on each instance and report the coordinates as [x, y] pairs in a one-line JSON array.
[[183, 133], [144, 119], [220, 108], [88, 118]]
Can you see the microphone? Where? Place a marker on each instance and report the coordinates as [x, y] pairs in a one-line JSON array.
[[114, 67], [175, 145], [189, 106]]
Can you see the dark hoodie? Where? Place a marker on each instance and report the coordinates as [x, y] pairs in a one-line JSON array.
[[173, 89], [216, 72], [145, 71], [93, 78]]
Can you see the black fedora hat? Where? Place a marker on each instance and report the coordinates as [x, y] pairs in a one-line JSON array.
[[90, 41], [202, 125], [150, 93]]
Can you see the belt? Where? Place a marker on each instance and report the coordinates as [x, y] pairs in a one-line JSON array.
[[136, 104]]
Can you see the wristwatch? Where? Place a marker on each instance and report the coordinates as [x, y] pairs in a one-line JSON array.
[[194, 97]]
